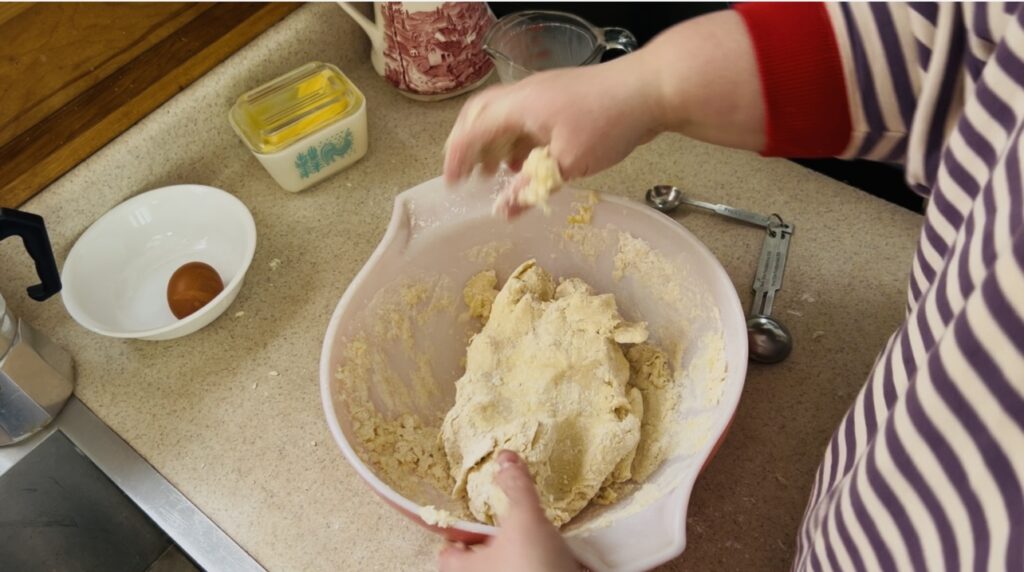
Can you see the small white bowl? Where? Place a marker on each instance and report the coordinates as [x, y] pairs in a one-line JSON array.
[[115, 277]]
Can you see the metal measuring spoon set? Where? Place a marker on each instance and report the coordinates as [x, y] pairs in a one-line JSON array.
[[770, 341]]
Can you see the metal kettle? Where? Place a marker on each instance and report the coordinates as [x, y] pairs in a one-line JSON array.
[[36, 375]]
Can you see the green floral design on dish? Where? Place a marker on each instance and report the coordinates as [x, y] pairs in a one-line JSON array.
[[313, 160]]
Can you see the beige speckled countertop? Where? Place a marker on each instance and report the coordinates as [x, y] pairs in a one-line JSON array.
[[253, 450]]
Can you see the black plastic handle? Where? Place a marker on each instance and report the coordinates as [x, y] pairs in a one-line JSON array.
[[32, 231]]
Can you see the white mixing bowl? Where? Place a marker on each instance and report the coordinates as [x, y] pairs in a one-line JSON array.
[[436, 232], [115, 277]]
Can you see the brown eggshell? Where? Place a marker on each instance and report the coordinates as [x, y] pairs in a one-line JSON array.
[[191, 287]]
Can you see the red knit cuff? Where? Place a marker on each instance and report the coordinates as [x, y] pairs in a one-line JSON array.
[[807, 113]]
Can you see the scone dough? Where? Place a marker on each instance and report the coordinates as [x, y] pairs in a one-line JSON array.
[[547, 378], [544, 177], [479, 294], [539, 177]]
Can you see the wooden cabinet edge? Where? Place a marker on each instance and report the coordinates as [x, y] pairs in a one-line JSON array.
[[37, 163]]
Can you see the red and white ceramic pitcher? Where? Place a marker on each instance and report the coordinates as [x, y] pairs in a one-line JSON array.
[[428, 50]]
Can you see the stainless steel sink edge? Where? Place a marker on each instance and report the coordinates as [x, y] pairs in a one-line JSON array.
[[196, 535]]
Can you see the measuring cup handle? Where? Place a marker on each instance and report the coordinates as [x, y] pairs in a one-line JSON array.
[[619, 39]]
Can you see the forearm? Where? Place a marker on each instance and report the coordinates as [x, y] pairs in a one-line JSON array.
[[763, 76], [703, 81]]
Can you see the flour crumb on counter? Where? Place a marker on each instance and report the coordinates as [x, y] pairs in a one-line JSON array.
[[796, 313], [239, 314], [273, 373], [437, 516], [817, 334], [274, 263], [255, 384]]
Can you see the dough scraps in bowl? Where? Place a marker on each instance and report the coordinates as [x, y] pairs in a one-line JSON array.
[[548, 377], [556, 374]]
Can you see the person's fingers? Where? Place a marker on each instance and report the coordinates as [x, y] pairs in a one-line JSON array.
[[503, 205], [458, 160], [485, 132], [507, 202], [455, 558], [514, 211], [573, 162], [515, 208], [512, 155], [520, 151], [452, 165], [454, 146], [490, 167], [515, 481], [516, 163], [493, 154]]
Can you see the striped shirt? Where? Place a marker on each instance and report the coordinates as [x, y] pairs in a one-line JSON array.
[[926, 469]]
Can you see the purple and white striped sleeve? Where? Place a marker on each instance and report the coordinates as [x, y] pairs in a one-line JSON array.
[[907, 69], [925, 470], [883, 77]]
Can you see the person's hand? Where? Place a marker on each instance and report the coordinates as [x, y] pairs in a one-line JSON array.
[[699, 78], [527, 541], [591, 117]]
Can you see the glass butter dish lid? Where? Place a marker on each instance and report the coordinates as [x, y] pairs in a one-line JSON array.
[[298, 104]]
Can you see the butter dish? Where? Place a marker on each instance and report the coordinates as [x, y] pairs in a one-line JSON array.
[[303, 126]]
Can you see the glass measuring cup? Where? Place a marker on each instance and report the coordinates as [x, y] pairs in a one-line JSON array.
[[526, 42]]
